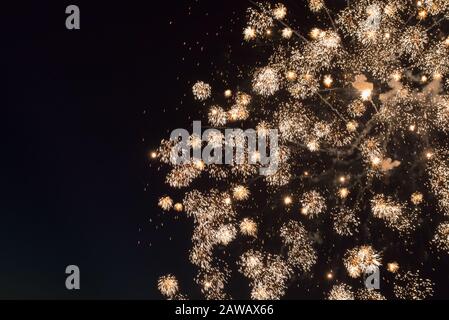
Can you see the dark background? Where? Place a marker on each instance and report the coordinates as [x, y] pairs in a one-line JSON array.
[[80, 111]]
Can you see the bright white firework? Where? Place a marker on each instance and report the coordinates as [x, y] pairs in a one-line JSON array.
[[201, 90], [361, 260], [168, 285], [266, 82]]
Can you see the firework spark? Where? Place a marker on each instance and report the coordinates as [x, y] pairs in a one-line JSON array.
[[168, 286], [361, 260], [410, 286], [201, 90]]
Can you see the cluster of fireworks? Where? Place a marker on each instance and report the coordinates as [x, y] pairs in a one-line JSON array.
[[361, 105], [346, 292]]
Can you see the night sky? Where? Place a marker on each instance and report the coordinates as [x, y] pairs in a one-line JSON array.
[[81, 110]]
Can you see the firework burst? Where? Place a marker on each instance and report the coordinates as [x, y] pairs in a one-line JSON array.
[[360, 102]]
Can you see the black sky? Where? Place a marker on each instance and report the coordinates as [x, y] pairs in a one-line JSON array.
[[76, 107]]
